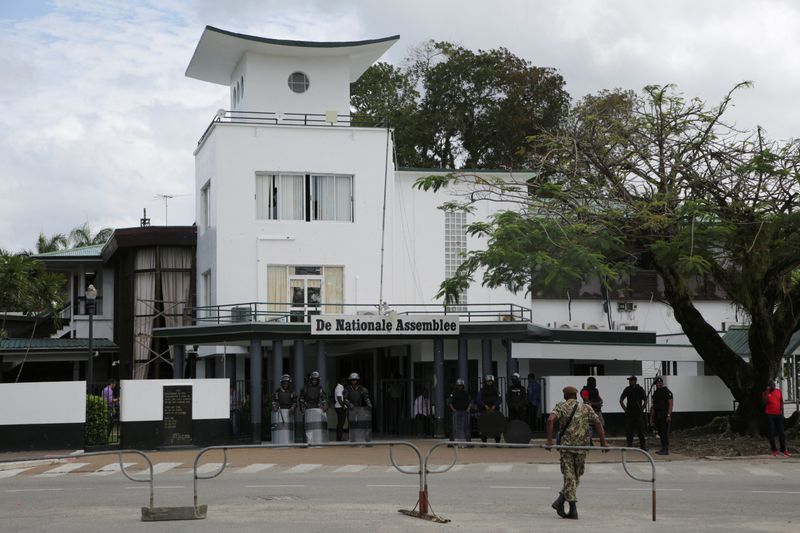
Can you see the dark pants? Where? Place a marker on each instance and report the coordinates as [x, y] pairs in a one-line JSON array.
[[235, 422], [662, 426], [517, 413], [533, 417], [340, 416], [775, 426], [635, 421]]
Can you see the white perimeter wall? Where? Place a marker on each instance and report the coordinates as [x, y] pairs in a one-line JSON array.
[[56, 402], [691, 393], [142, 400]]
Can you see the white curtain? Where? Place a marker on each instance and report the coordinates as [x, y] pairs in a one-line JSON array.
[[291, 198], [263, 192], [344, 198], [143, 309], [334, 288], [325, 197], [277, 289]]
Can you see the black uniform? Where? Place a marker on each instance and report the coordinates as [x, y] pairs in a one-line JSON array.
[[283, 399], [661, 399], [517, 397], [459, 403], [488, 397], [357, 396], [313, 397], [635, 399]]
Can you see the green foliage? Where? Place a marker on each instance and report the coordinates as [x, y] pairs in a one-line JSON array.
[[25, 286], [455, 108], [97, 420], [53, 243], [83, 235]]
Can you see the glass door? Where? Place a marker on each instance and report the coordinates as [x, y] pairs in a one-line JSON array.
[[305, 296]]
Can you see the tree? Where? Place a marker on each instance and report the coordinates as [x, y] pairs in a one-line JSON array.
[[59, 241], [83, 235], [454, 108], [26, 287], [655, 181]]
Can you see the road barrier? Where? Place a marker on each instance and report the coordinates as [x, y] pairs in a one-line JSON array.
[[149, 513], [200, 511], [624, 450]]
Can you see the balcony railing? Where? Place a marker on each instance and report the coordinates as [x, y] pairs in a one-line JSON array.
[[286, 313], [270, 118]]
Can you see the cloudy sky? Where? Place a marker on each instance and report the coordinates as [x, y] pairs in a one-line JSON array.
[[97, 118]]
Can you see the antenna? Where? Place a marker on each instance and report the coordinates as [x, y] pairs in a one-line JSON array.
[[167, 198]]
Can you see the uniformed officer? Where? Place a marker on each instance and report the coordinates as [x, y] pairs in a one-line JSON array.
[[359, 407], [460, 405], [283, 404], [632, 401], [489, 401], [574, 419], [517, 397], [313, 406], [661, 415]]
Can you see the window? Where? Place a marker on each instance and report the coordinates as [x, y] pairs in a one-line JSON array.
[[304, 197], [298, 82], [455, 245], [205, 205], [302, 291]]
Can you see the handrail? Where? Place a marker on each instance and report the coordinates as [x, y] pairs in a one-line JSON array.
[[623, 449], [118, 453]]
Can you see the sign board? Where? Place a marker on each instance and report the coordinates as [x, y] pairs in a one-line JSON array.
[[391, 324], [177, 415]]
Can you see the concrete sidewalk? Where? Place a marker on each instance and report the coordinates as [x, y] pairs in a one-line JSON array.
[[376, 454]]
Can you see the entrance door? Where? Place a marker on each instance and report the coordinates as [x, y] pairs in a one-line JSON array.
[[305, 294]]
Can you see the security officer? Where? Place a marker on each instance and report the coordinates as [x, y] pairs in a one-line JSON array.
[[661, 415], [632, 401], [283, 404], [313, 406], [460, 405], [359, 406], [489, 401], [517, 397], [574, 419]]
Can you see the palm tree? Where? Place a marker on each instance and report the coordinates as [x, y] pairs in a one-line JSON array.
[[84, 236], [55, 242]]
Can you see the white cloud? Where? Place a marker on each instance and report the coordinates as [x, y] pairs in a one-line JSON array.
[[96, 116]]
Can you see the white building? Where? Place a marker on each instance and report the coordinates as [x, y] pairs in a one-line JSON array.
[[301, 211]]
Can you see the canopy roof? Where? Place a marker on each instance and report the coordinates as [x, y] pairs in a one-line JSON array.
[[219, 51]]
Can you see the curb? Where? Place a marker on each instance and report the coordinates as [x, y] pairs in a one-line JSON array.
[[30, 464]]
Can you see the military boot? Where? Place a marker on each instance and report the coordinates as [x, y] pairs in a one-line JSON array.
[[573, 510], [558, 505]]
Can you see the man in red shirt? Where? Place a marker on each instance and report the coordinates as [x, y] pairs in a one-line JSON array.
[[773, 399]]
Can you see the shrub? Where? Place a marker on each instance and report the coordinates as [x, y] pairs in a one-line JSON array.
[[96, 421]]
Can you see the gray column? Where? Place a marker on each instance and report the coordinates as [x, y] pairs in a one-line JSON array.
[[298, 366], [255, 389], [463, 361], [438, 392], [230, 367], [277, 364], [210, 367], [178, 353], [486, 357], [322, 366]]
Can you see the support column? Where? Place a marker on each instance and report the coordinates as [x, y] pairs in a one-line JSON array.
[[210, 367], [463, 361], [298, 366], [486, 358], [230, 367], [255, 389], [512, 365], [178, 353], [438, 390], [277, 364], [322, 366]]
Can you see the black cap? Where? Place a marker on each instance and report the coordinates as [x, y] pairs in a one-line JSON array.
[[634, 378]]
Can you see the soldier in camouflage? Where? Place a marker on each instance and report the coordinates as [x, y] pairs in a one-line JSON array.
[[574, 419]]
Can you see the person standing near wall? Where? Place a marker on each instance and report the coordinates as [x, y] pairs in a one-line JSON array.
[[534, 399], [773, 409], [632, 401], [283, 405], [460, 405], [339, 407], [591, 395], [661, 415], [574, 420], [422, 413], [517, 397], [111, 403], [489, 402], [359, 409]]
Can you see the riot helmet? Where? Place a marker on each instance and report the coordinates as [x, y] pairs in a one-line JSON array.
[[489, 379], [515, 377], [354, 377], [285, 380], [314, 377]]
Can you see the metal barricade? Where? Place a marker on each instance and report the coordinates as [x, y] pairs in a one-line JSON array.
[[456, 445], [149, 513], [201, 510]]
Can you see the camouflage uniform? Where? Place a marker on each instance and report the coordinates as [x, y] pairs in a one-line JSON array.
[[577, 434]]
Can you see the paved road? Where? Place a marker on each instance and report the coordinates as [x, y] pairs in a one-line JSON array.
[[751, 495]]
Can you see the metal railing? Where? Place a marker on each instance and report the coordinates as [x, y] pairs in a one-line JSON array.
[[283, 312], [271, 118]]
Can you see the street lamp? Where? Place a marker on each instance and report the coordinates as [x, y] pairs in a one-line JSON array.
[[91, 298]]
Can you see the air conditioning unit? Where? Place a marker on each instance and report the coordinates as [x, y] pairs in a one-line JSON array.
[[240, 314], [595, 326], [626, 326], [734, 325], [626, 307], [567, 325]]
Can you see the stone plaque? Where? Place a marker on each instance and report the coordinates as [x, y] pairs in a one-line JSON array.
[[177, 415]]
